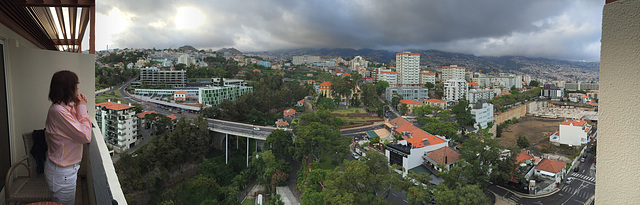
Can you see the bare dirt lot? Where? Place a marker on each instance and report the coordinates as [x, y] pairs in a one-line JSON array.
[[531, 127]]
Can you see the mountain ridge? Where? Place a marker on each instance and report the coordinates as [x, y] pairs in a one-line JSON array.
[[538, 67]]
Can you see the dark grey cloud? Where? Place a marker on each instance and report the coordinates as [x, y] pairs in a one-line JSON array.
[[564, 29]]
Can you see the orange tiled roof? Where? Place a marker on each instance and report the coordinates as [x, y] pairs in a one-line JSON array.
[[282, 123], [180, 92], [523, 157], [505, 93], [398, 121], [408, 53], [550, 165], [113, 106], [452, 66], [301, 101], [290, 111], [407, 101], [389, 72], [420, 138], [592, 104], [439, 155], [142, 114], [473, 84], [433, 100], [325, 84], [575, 122], [172, 117]]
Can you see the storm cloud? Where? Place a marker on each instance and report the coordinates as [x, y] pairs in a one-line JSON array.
[[561, 29]]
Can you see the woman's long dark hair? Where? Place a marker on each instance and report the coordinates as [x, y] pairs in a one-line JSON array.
[[63, 87]]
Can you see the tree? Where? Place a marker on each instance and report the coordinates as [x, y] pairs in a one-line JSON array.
[[271, 170], [480, 154], [467, 194], [429, 85], [381, 86], [395, 100], [280, 142], [403, 108], [534, 83], [463, 113], [324, 103], [317, 140], [365, 181], [522, 142], [421, 193], [445, 115], [137, 107]]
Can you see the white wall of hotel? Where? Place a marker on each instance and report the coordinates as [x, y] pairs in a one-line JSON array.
[[482, 116], [415, 158], [164, 92]]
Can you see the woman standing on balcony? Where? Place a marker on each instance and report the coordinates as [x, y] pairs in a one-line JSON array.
[[68, 126]]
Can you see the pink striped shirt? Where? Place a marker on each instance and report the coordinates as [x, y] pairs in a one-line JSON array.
[[68, 128]]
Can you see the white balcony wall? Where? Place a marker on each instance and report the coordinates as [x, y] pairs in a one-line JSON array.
[[29, 72]]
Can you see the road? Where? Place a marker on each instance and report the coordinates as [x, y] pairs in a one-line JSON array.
[[577, 192]]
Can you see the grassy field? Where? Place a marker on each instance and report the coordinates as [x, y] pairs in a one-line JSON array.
[[350, 110], [358, 119], [114, 94]]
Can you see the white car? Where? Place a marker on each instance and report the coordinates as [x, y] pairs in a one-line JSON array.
[[256, 128], [355, 156], [569, 180]]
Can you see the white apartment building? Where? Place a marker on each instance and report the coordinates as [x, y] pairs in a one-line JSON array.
[[455, 90], [119, 124], [305, 59], [482, 113], [408, 68], [388, 75], [186, 59], [453, 72], [427, 77], [503, 81], [155, 77], [358, 62], [572, 132], [476, 95]]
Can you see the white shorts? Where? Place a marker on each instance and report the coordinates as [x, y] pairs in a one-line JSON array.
[[62, 182]]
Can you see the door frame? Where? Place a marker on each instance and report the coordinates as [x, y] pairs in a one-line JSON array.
[[7, 93]]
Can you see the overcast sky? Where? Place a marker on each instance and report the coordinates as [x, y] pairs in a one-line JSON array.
[[561, 29]]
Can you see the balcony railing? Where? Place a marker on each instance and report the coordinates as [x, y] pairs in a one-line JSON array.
[[102, 180]]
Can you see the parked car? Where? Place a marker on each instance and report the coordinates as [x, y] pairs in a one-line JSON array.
[[583, 159], [576, 169], [355, 156]]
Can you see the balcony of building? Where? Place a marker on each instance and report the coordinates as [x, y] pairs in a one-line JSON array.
[[37, 39]]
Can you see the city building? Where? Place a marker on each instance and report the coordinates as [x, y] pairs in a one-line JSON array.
[[444, 156], [417, 93], [214, 95], [305, 59], [427, 77], [551, 169], [408, 68], [409, 152], [180, 95], [453, 72], [581, 86], [324, 89], [572, 132], [166, 92], [358, 63], [482, 113], [388, 75], [476, 95], [186, 59], [552, 91], [153, 76], [436, 103], [455, 90], [119, 124], [410, 104]]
